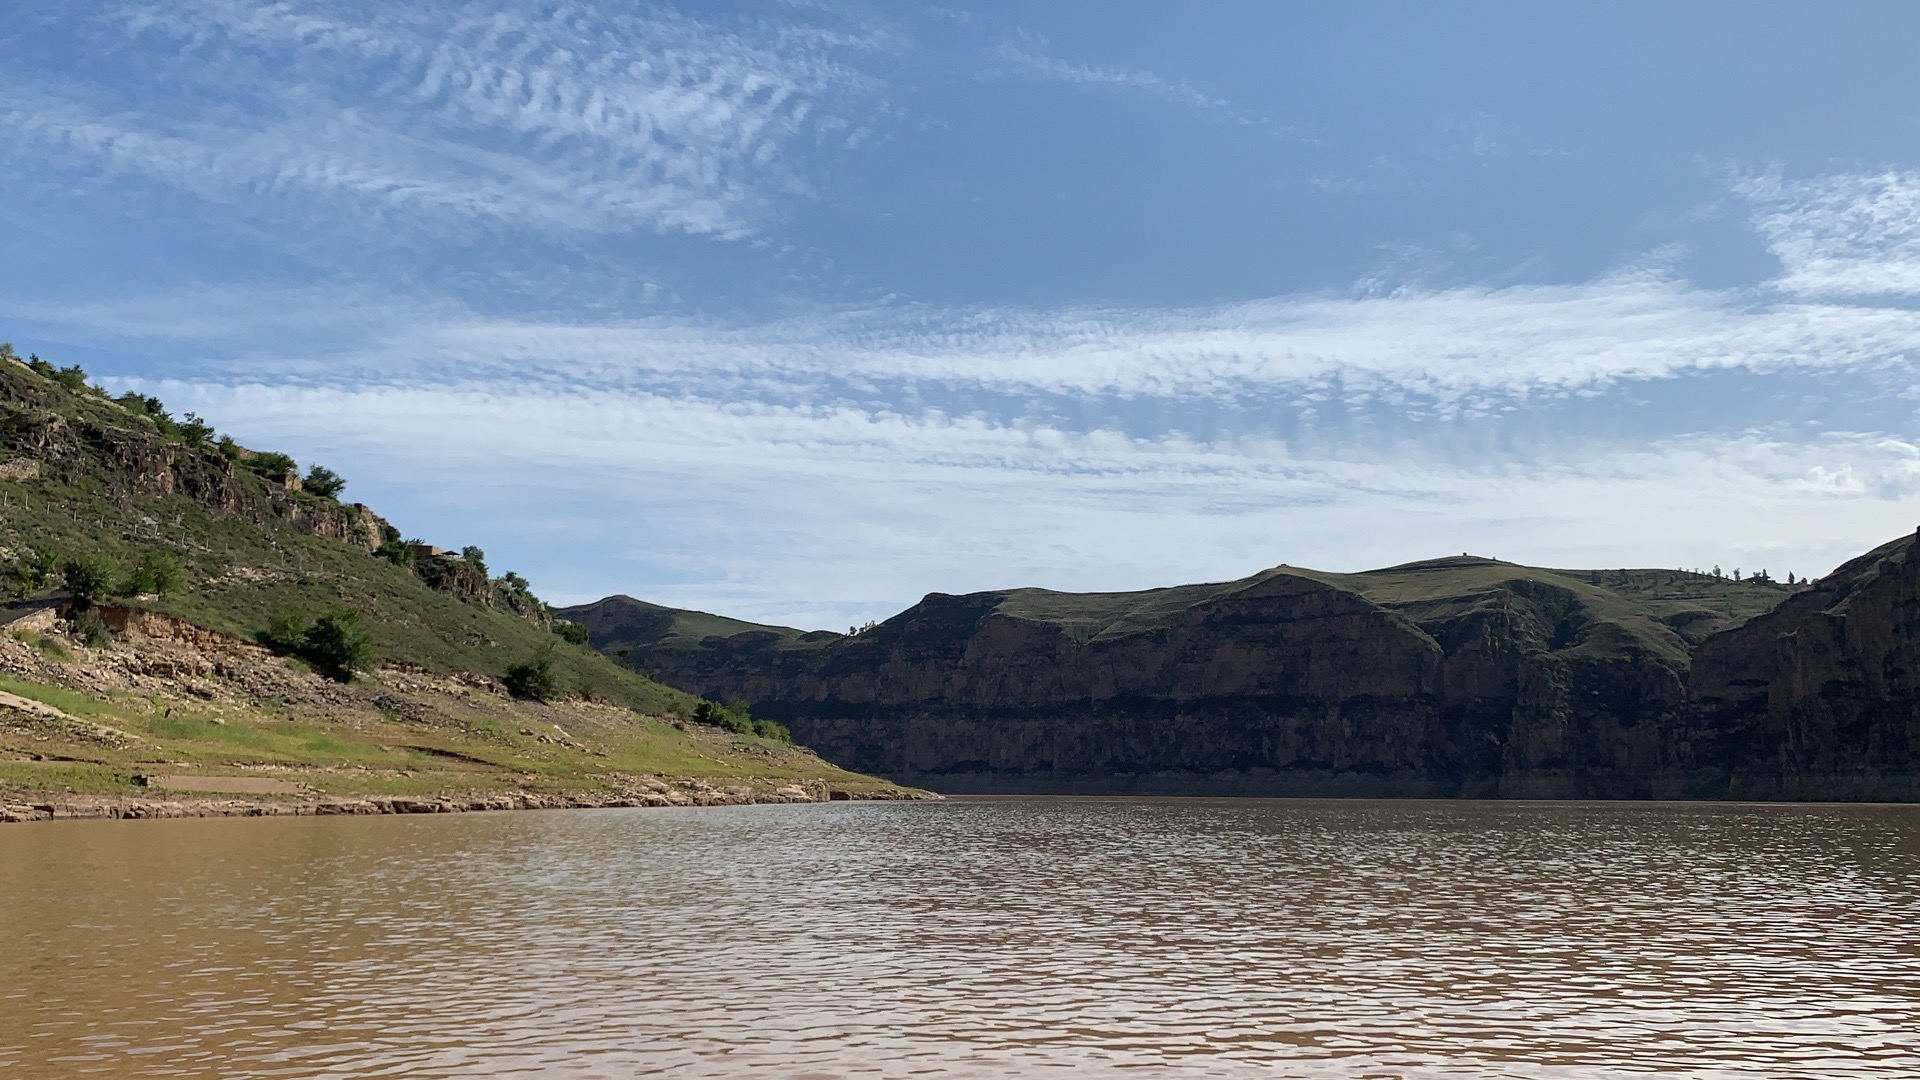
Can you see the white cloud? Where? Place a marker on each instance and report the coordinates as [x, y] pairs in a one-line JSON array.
[[517, 114], [1846, 234], [1439, 351], [837, 465], [830, 515], [1025, 61]]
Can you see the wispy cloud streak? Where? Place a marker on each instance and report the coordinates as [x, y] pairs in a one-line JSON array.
[[561, 117]]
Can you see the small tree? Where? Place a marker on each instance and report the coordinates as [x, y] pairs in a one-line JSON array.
[[323, 482], [338, 645], [395, 552], [195, 431], [532, 678], [287, 633], [157, 573], [475, 558], [87, 578], [274, 464], [571, 632]]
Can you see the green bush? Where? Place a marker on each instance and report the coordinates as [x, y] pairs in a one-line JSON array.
[[73, 378], [195, 431], [157, 573], [395, 552], [91, 630], [287, 633], [335, 644], [571, 632], [532, 678], [732, 716], [323, 482], [34, 571], [272, 464], [338, 645], [88, 578], [767, 729]]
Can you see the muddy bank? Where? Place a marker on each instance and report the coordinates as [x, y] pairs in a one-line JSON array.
[[650, 791]]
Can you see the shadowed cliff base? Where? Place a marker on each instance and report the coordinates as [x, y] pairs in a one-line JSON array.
[[1455, 677]]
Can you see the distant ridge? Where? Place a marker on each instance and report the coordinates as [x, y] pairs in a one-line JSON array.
[[1460, 675]]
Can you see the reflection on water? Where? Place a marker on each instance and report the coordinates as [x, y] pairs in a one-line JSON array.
[[988, 937]]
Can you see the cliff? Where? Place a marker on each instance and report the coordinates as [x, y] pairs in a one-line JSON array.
[[1821, 694], [1456, 676]]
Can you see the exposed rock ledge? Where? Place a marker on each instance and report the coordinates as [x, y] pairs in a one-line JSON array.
[[648, 791]]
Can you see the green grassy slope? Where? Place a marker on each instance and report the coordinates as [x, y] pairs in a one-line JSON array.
[[84, 475]]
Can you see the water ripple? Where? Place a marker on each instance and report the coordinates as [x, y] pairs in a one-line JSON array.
[[1026, 937]]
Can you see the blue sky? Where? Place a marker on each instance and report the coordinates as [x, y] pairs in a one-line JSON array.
[[799, 311]]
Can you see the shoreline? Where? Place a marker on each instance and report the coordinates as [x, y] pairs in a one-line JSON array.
[[21, 807]]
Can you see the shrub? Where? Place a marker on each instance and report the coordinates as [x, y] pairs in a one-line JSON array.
[[34, 571], [87, 578], [73, 378], [732, 716], [228, 448], [335, 643], [157, 573], [338, 645], [150, 407], [272, 464], [323, 482], [475, 558], [287, 633], [91, 630], [195, 431], [532, 678], [769, 730], [395, 552], [571, 632]]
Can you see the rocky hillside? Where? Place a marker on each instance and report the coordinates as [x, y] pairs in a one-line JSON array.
[[192, 626], [1448, 677], [120, 485]]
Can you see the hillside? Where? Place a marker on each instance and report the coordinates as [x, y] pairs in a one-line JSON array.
[[184, 591], [1444, 677]]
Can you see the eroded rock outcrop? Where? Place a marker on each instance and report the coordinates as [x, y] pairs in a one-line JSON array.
[[1455, 676], [1821, 696]]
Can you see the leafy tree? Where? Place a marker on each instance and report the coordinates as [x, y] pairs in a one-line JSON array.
[[475, 558], [228, 448], [88, 578], [195, 431], [733, 716], [272, 464], [571, 632], [532, 678], [34, 571], [287, 633], [323, 482], [395, 552], [157, 573], [338, 645], [73, 378]]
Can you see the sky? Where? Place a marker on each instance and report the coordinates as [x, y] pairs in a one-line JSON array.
[[799, 311]]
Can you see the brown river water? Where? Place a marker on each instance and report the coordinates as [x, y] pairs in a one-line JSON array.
[[988, 937]]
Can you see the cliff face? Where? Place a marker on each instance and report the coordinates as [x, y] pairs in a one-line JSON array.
[[43, 436], [1457, 676], [1821, 694]]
